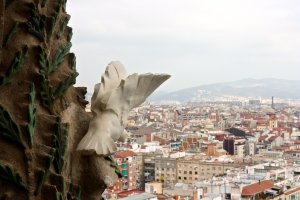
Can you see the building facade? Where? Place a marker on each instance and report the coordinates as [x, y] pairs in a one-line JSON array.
[[165, 171], [130, 165], [191, 170]]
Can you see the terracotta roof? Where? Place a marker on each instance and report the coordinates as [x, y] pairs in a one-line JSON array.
[[281, 148], [293, 151], [124, 154], [297, 141], [292, 191], [258, 187], [272, 138], [129, 192], [261, 138]]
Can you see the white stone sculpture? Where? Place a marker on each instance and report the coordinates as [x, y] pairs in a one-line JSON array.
[[112, 100]]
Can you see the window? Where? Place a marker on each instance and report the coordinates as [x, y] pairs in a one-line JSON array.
[[190, 172], [184, 178], [196, 179], [185, 172], [179, 171], [196, 172], [179, 177]]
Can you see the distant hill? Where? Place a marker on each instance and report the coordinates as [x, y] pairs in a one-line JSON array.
[[255, 88]]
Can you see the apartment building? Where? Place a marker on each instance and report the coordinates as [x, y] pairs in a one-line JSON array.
[[193, 169], [130, 165], [165, 170], [149, 167]]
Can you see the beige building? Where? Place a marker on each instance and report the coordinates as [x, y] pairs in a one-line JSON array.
[[193, 169], [273, 121], [165, 170], [153, 188], [188, 170]]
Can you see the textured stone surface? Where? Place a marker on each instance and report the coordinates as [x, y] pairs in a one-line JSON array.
[[67, 111]]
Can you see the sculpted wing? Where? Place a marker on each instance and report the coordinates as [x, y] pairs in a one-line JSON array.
[[110, 80], [112, 100], [132, 92]]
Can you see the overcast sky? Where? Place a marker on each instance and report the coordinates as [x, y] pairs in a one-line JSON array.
[[196, 41]]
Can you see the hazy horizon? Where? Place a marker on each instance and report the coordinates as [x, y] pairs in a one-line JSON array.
[[161, 90], [197, 42]]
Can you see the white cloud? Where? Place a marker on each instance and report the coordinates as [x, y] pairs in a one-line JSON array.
[[198, 41]]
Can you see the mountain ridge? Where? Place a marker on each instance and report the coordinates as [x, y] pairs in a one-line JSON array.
[[248, 87]]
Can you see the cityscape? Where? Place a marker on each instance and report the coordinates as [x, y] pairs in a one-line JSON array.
[[149, 100], [247, 149]]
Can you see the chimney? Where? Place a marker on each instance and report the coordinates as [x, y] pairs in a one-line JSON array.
[[259, 182], [272, 102]]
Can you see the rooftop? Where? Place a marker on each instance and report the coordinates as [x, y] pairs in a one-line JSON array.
[[258, 187], [124, 154], [292, 191], [143, 196]]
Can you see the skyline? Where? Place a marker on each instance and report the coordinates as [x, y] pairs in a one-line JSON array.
[[197, 42]]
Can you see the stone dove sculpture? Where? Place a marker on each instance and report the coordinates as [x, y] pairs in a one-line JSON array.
[[112, 100]]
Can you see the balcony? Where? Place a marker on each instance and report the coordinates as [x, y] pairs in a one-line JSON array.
[[124, 166], [124, 172]]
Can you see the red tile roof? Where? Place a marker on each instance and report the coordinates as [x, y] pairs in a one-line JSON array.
[[262, 138], [272, 138], [129, 192], [297, 141], [293, 151], [281, 148], [292, 191], [124, 154], [258, 187]]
